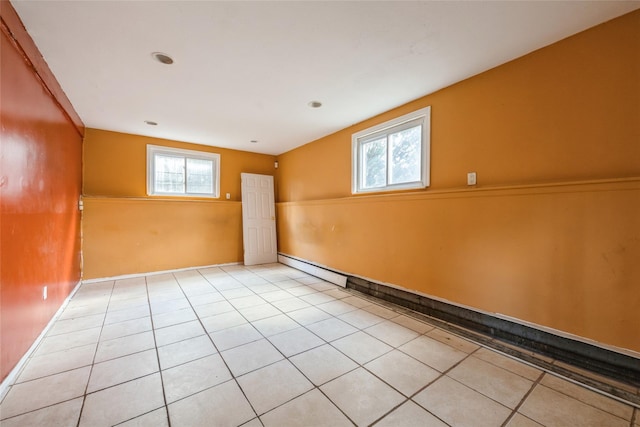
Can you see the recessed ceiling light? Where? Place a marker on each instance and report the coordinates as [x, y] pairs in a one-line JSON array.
[[315, 104], [162, 58], [151, 123]]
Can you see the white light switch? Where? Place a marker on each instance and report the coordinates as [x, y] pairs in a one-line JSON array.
[[471, 178], [44, 293], [228, 196]]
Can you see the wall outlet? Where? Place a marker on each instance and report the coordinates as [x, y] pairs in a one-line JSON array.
[[44, 293], [471, 178], [228, 196]]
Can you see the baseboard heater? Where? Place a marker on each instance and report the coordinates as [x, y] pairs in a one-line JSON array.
[[612, 364], [314, 270]]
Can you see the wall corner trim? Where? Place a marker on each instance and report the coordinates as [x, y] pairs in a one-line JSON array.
[[13, 27]]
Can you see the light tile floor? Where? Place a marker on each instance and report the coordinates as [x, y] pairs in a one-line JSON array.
[[272, 346]]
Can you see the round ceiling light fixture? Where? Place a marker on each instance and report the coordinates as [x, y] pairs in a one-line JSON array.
[[151, 123], [162, 58], [315, 104]]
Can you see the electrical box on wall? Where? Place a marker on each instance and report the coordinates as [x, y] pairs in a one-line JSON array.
[[471, 178]]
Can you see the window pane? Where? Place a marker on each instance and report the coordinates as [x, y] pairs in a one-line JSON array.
[[199, 176], [374, 163], [169, 174], [405, 155]]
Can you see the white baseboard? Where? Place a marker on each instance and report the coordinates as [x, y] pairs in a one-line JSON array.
[[13, 375], [153, 273]]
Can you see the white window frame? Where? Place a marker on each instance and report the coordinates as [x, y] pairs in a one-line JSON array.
[[423, 117], [152, 150]]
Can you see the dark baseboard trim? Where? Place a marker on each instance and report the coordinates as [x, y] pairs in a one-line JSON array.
[[608, 363]]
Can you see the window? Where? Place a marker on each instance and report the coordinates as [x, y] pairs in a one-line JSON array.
[[393, 155], [177, 172]]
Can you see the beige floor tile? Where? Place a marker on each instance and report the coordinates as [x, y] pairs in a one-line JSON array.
[[378, 310], [258, 312], [549, 407], [77, 324], [282, 380], [361, 319], [43, 392], [392, 333], [275, 295], [120, 370], [312, 408], [117, 316], [309, 315], [207, 298], [322, 286], [252, 356], [131, 399], [402, 372], [275, 325], [223, 321], [520, 420], [193, 377], [237, 293], [122, 329], [410, 415], [248, 301], [288, 283], [356, 301], [331, 329], [500, 385], [65, 414], [173, 318], [233, 337], [314, 298], [322, 364], [587, 396], [290, 304], [452, 340], [72, 312], [265, 288], [295, 341], [157, 418], [179, 332], [60, 361], [68, 341], [336, 308], [168, 294], [362, 396], [433, 353], [169, 306], [508, 363], [337, 293], [185, 351], [213, 308], [413, 324], [460, 406], [361, 347], [123, 346], [128, 303], [300, 291]]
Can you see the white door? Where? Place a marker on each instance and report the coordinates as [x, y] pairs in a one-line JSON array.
[[258, 219]]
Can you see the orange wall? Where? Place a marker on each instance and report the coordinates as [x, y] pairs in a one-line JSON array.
[[551, 235], [125, 231], [40, 155]]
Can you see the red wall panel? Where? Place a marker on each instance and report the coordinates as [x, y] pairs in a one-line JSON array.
[[40, 184]]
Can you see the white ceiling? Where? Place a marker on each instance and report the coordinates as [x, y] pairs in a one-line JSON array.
[[247, 70]]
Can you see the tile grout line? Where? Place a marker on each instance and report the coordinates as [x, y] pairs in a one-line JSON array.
[[526, 395], [86, 387], [155, 344]]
